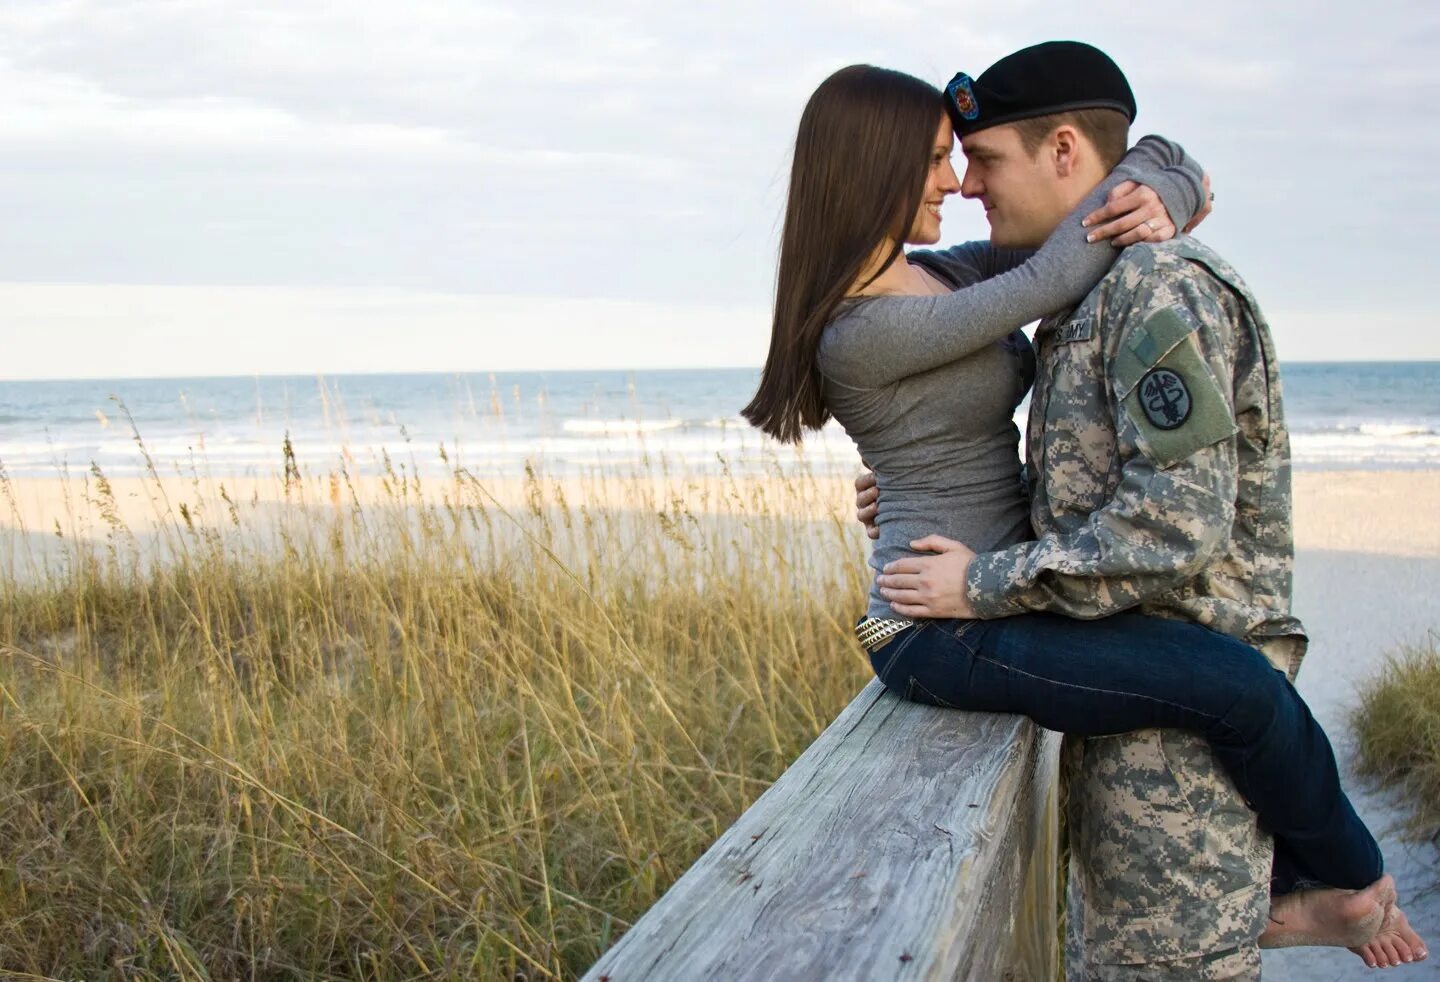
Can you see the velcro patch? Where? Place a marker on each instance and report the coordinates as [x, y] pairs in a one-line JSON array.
[[1177, 406], [1146, 344]]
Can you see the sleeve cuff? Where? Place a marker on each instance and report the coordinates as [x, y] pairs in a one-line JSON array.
[[994, 579], [1171, 174], [1180, 195]]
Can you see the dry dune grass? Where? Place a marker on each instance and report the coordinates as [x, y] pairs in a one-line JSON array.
[[418, 733], [1397, 732]]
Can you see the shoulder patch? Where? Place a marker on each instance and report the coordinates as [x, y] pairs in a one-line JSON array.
[[1165, 398], [1178, 407], [1145, 346]]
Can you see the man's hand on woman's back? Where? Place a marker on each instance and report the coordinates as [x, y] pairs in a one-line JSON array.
[[867, 503]]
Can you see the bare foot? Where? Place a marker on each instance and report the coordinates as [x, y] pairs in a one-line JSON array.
[[1328, 916], [1394, 944]]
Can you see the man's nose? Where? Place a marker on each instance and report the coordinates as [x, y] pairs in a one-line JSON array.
[[972, 186]]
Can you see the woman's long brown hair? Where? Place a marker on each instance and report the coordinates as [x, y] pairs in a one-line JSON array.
[[858, 175]]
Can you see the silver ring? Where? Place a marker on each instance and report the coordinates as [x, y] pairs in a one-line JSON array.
[[1150, 224]]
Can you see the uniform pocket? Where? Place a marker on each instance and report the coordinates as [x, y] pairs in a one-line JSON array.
[[1139, 831], [1161, 825]]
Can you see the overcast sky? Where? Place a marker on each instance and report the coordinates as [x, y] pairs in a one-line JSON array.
[[220, 187]]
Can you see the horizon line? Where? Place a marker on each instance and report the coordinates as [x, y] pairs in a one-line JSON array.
[[559, 371]]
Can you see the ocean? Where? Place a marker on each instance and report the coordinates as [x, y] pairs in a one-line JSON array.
[[1351, 415]]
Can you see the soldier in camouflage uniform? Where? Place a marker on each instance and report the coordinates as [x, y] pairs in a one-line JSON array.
[[1159, 467], [1160, 482], [1160, 459], [1161, 479]]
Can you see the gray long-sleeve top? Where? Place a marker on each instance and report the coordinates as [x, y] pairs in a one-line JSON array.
[[927, 386]]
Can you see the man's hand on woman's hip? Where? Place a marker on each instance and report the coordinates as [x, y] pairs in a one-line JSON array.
[[929, 586]]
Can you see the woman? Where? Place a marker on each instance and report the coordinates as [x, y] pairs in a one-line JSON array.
[[921, 360]]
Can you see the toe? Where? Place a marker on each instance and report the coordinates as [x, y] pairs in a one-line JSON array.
[[1401, 949]]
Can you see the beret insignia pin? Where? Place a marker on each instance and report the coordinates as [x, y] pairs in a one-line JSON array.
[[962, 95]]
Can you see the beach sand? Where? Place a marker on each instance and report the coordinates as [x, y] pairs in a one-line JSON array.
[[1394, 513], [1368, 559]]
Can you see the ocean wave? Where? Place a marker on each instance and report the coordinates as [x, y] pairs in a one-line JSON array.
[[46, 420], [620, 427], [1395, 430], [1383, 429], [697, 429], [1390, 446]]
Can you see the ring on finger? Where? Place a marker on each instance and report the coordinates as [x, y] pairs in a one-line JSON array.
[[1151, 224]]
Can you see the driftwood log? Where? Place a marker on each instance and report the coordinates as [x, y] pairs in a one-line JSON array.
[[907, 842]]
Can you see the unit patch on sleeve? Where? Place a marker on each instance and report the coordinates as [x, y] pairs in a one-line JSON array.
[[1165, 398], [1167, 389]]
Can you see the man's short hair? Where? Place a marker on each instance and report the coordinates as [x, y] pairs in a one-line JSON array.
[[1107, 129]]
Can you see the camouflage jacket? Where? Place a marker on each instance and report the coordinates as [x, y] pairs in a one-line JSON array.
[[1159, 459]]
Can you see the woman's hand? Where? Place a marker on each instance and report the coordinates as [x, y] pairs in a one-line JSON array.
[[1134, 213], [1205, 209]]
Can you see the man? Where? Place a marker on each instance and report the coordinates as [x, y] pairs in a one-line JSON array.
[[1159, 467]]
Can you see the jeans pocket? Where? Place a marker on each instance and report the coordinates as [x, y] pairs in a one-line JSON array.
[[915, 691], [884, 658], [927, 664], [966, 632]]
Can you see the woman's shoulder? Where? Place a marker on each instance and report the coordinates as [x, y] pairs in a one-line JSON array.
[[848, 314], [853, 336], [855, 314]]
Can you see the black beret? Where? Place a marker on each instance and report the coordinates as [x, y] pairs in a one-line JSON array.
[[1053, 77]]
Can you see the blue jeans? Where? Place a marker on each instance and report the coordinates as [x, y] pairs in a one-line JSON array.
[[1131, 672]]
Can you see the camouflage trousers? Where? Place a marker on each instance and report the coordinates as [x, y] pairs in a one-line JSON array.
[[1169, 872]]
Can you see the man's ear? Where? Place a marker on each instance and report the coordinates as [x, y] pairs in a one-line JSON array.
[[1065, 150]]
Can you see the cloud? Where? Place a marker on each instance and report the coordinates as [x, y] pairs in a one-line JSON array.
[[52, 110], [637, 152]]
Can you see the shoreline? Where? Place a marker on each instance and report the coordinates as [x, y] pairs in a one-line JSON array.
[[1376, 512]]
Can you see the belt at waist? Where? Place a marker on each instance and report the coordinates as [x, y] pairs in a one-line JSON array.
[[872, 632]]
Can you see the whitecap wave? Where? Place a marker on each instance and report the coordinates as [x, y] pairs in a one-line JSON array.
[[1395, 430], [620, 427]]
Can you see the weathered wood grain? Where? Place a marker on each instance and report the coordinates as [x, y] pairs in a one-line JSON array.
[[893, 848]]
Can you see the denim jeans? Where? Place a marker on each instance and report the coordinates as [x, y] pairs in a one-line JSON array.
[[1131, 672]]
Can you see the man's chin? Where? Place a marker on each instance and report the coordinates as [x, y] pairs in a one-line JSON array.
[[1010, 239]]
